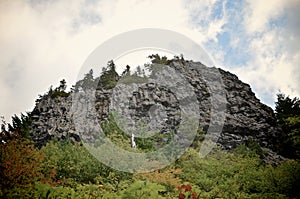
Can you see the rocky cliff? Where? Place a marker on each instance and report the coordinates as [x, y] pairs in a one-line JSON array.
[[246, 118]]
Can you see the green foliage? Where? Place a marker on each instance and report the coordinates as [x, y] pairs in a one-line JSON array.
[[112, 130], [74, 164], [245, 151], [88, 82], [145, 144], [288, 117], [286, 107], [143, 189], [293, 123], [72, 161], [226, 175], [60, 91], [250, 149], [129, 79], [255, 147], [109, 76], [20, 125], [286, 178], [67, 171], [45, 191], [138, 76], [200, 136], [156, 59]]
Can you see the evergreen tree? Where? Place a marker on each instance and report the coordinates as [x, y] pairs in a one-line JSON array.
[[156, 59], [62, 86], [87, 82], [126, 71], [288, 117], [109, 77], [20, 125]]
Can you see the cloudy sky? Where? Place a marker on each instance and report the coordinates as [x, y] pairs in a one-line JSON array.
[[44, 41]]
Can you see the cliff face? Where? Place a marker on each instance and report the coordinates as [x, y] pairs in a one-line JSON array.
[[246, 117]]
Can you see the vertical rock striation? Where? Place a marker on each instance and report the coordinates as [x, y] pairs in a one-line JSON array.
[[246, 117]]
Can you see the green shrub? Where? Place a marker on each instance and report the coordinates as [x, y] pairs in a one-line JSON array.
[[288, 117], [75, 164], [227, 175], [45, 191], [286, 178], [143, 189], [72, 161]]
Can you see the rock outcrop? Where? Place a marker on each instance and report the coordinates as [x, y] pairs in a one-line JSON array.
[[51, 118], [246, 117]]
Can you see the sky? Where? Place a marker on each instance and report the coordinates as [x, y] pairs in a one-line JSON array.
[[45, 41]]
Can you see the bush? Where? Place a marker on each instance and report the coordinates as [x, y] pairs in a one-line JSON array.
[[167, 177], [74, 164], [228, 175], [286, 178], [72, 161], [40, 190], [185, 191], [20, 164], [143, 189]]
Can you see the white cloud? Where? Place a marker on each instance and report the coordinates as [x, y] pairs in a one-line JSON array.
[[42, 42], [262, 45], [35, 48], [259, 13], [216, 26], [274, 56], [203, 19]]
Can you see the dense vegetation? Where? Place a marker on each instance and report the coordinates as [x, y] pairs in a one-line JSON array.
[[66, 170], [63, 169], [288, 117]]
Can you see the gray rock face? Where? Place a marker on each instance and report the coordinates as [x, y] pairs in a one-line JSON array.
[[246, 117], [154, 105], [51, 118]]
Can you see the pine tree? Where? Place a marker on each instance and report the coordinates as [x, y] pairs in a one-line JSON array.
[[288, 117]]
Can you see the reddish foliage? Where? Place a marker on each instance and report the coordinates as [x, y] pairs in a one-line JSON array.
[[168, 177], [188, 188], [181, 196], [19, 163], [194, 195], [186, 191]]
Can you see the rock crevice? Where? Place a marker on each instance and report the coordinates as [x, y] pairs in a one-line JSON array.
[[246, 117]]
